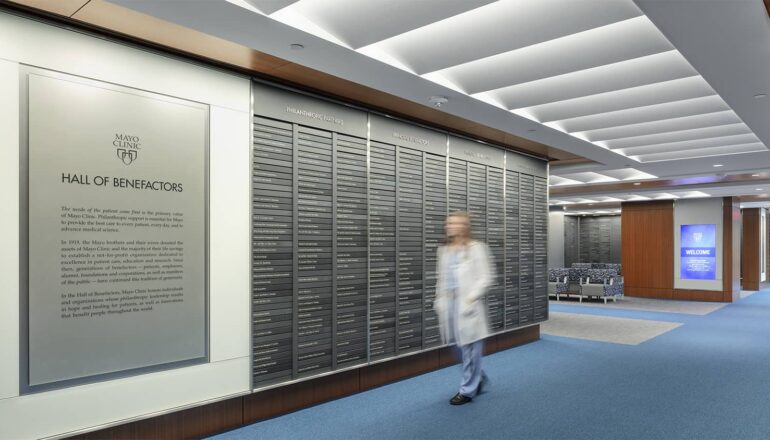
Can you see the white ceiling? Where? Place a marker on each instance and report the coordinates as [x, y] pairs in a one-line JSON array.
[[662, 87]]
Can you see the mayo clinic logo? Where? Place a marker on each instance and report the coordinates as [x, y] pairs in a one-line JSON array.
[[697, 236], [128, 147]]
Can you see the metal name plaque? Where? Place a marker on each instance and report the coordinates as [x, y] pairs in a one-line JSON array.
[[476, 152], [294, 107], [395, 132], [117, 230]]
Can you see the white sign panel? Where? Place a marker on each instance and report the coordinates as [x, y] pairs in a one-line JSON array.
[[117, 230]]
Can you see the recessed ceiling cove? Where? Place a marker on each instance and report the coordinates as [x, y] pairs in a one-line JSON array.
[[581, 178], [598, 70]]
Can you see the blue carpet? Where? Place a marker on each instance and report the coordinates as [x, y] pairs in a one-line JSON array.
[[708, 379]]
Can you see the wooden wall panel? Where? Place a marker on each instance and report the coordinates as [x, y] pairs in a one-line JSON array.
[[387, 372], [448, 356], [190, 423], [750, 249], [647, 252], [514, 339]]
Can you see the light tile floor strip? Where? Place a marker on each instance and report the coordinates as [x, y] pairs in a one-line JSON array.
[[651, 305], [747, 293], [604, 328]]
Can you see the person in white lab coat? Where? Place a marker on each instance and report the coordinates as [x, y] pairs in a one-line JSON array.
[[464, 273]]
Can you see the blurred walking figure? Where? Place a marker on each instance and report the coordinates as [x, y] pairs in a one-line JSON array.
[[464, 273]]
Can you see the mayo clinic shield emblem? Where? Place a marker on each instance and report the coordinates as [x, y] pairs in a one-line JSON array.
[[697, 236], [127, 156]]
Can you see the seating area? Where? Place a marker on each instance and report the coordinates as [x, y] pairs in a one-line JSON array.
[[602, 281]]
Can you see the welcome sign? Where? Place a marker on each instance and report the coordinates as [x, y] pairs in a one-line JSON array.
[[698, 252]]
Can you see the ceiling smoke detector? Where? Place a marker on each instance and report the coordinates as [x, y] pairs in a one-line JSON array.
[[438, 101]]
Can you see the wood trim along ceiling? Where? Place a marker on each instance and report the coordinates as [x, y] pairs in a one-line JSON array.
[[117, 21], [590, 206], [767, 7], [755, 198], [681, 184], [65, 8]]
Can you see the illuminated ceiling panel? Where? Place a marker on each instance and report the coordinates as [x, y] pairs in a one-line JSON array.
[[342, 18], [268, 7], [648, 113], [523, 65], [582, 178], [561, 181], [704, 152], [739, 139], [500, 27]]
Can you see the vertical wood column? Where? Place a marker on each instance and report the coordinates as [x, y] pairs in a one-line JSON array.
[[647, 253], [731, 264], [750, 249]]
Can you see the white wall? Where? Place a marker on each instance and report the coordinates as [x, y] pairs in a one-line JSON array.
[[698, 211], [59, 412], [555, 239]]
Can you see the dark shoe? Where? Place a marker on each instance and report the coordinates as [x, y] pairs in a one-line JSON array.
[[459, 399]]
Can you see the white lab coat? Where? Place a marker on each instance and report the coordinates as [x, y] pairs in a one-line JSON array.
[[474, 275]]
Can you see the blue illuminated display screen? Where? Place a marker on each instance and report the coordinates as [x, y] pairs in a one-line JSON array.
[[698, 252]]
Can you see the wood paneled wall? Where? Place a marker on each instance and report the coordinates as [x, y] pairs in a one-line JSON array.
[[647, 248], [750, 249], [232, 413], [647, 254]]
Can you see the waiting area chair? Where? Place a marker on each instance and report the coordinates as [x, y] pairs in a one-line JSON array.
[[586, 280]]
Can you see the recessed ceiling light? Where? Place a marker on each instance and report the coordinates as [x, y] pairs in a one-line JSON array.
[[296, 46], [717, 165], [438, 101], [760, 95], [755, 175], [760, 189], [638, 183]]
